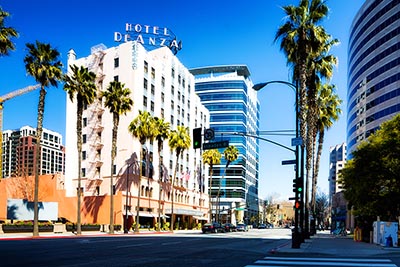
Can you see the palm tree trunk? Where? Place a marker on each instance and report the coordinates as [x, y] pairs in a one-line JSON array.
[[209, 194], [113, 154], [173, 192], [317, 161], [39, 130], [79, 145], [139, 191]]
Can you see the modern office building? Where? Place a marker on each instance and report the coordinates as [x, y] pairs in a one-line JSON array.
[[19, 150], [337, 202], [373, 69], [337, 160], [227, 93], [162, 85]]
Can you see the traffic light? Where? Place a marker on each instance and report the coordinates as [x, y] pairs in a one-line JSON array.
[[298, 185], [298, 204], [197, 138]]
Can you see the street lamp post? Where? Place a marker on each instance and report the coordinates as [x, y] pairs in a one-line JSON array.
[[296, 239]]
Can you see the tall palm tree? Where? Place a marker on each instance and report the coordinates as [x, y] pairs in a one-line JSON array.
[[119, 102], [231, 153], [329, 110], [6, 33], [320, 68], [300, 37], [143, 128], [42, 63], [80, 85], [211, 157], [163, 129], [179, 140]]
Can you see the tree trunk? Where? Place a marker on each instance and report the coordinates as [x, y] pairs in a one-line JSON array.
[[39, 130], [113, 154], [79, 146]]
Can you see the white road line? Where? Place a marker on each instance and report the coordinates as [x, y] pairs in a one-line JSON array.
[[297, 261], [328, 259], [322, 263]]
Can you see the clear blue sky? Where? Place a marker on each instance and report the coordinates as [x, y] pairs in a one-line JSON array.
[[212, 32]]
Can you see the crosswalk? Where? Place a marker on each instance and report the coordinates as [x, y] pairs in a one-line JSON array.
[[313, 262]]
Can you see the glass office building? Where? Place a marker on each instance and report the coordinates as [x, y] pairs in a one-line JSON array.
[[373, 69], [226, 91]]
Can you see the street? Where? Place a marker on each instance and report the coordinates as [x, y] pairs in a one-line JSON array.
[[255, 248], [178, 249]]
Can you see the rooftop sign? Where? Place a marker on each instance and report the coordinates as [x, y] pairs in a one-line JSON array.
[[149, 36]]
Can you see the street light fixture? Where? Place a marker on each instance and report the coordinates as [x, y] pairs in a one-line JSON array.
[[296, 234]]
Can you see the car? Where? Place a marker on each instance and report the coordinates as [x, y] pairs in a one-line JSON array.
[[262, 226], [228, 227], [242, 227], [212, 228]]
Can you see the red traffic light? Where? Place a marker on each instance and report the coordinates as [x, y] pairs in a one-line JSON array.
[[297, 204]]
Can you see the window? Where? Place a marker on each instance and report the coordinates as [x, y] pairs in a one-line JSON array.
[[172, 90], [162, 97], [84, 122], [83, 155], [152, 106], [173, 73], [152, 89], [116, 62], [144, 101], [146, 67], [145, 84], [116, 78], [84, 139], [163, 81], [153, 73]]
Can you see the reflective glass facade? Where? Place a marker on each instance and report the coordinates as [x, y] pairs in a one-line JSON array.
[[373, 94], [226, 91]]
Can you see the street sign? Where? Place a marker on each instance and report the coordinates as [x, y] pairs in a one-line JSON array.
[[288, 162], [214, 145], [298, 141]]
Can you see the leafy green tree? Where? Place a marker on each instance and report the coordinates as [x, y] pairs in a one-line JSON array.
[[43, 64], [179, 140], [80, 86], [211, 157], [162, 129], [6, 34], [119, 102], [143, 128], [371, 179]]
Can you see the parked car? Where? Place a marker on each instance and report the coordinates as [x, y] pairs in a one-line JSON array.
[[262, 226], [228, 227], [242, 227], [212, 228]]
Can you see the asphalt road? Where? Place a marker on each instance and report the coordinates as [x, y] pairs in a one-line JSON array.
[[189, 249]]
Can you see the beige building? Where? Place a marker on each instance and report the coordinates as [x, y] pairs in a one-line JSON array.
[[161, 85]]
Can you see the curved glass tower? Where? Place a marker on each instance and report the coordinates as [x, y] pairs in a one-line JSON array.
[[226, 91], [373, 69]]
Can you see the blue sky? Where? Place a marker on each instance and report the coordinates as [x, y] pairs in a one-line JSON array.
[[212, 33]]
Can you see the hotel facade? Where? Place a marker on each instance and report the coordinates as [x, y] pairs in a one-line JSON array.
[[160, 84], [373, 69]]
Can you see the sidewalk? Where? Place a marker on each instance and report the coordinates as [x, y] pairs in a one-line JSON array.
[[9, 236], [326, 243]]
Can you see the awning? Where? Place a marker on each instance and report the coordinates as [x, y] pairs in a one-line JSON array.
[[200, 218], [240, 209], [145, 214], [129, 213]]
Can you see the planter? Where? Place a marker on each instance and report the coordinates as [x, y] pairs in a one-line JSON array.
[[25, 228], [84, 227]]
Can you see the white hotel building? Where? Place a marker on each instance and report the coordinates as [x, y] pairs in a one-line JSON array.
[[161, 85]]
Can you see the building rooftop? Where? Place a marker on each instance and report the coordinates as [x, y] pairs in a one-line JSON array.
[[241, 70]]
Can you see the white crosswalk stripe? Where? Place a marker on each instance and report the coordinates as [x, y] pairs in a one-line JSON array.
[[298, 262]]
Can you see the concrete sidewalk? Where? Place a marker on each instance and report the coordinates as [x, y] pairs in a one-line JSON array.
[[9, 236], [326, 243]]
